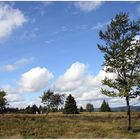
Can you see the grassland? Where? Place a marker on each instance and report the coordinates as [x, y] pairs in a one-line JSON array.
[[58, 125]]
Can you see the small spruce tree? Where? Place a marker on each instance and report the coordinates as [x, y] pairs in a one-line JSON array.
[[35, 109], [81, 109], [28, 110], [70, 106], [105, 107]]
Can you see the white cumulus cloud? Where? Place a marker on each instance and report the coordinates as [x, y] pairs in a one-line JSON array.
[[82, 85], [88, 6], [34, 80], [12, 96], [71, 78], [10, 19], [18, 64]]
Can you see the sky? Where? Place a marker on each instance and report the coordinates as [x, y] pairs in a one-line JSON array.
[[54, 45]]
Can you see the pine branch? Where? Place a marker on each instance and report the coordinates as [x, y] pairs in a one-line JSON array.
[[109, 93]]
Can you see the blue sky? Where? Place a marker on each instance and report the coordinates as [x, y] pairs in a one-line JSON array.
[[54, 45]]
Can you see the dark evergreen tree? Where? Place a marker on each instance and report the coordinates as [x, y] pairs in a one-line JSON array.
[[70, 106], [81, 109], [11, 110], [28, 110], [32, 110], [3, 101], [105, 107], [89, 107], [122, 57], [35, 110]]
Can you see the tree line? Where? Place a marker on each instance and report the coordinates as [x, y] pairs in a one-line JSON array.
[[53, 102]]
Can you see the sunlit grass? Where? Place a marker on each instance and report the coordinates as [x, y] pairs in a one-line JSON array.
[[58, 125]]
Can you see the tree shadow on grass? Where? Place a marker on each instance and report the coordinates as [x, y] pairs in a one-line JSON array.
[[133, 131], [136, 130]]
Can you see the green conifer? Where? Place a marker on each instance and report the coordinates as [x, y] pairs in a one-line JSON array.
[[70, 106], [105, 107]]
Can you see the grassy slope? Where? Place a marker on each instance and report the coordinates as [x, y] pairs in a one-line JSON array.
[[57, 125]]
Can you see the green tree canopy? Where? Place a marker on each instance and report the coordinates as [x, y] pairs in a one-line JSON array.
[[105, 107], [28, 110], [70, 106], [35, 109], [52, 100], [122, 57], [89, 107], [3, 101], [81, 109]]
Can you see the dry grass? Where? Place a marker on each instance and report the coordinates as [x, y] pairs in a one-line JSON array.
[[58, 125]]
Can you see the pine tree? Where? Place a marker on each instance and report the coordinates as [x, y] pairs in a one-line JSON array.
[[122, 57], [35, 109], [105, 107], [81, 109], [28, 110], [70, 106]]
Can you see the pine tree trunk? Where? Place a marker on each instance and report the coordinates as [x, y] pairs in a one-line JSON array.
[[128, 115]]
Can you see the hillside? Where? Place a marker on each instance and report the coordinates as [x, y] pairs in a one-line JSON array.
[[122, 109]]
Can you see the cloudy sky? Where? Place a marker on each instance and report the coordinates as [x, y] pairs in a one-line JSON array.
[[54, 45]]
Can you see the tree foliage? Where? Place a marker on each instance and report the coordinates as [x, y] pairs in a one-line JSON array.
[[32, 109], [70, 106], [81, 109], [42, 109], [12, 110], [122, 57], [105, 107], [3, 101], [89, 107], [51, 100], [35, 109]]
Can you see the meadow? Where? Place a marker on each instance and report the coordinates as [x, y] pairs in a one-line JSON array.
[[58, 125]]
